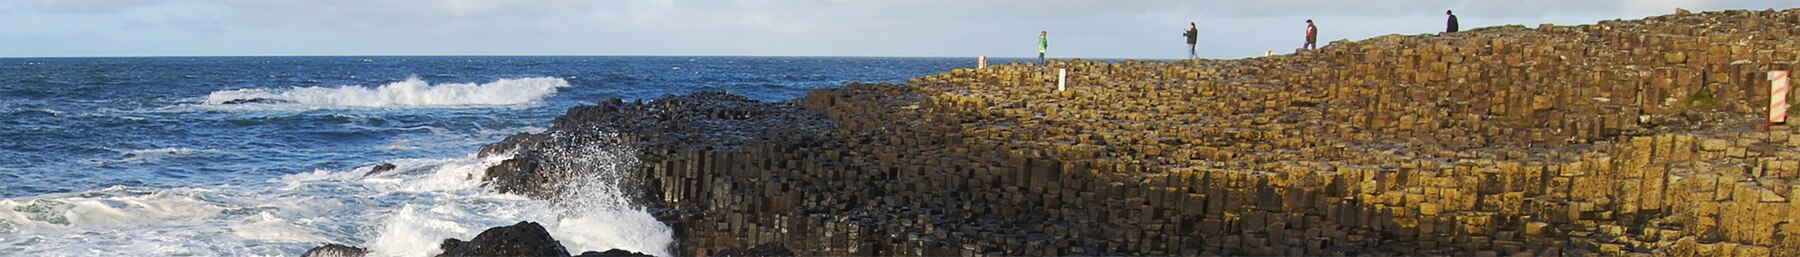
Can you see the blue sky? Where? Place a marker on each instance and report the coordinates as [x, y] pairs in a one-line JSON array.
[[956, 28]]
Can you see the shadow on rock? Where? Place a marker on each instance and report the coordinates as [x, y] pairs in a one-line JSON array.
[[762, 250]]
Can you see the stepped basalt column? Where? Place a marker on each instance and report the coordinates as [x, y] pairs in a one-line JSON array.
[[1614, 138]]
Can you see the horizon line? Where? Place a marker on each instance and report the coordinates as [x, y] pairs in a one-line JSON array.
[[552, 55]]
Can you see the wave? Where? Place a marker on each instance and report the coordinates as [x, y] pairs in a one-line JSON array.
[[411, 92], [406, 211], [147, 155]]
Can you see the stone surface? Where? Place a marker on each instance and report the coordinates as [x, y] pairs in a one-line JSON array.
[[762, 250], [706, 120], [1626, 137], [380, 168], [334, 250], [613, 253], [523, 239]]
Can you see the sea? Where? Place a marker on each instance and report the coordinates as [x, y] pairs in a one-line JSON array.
[[271, 156]]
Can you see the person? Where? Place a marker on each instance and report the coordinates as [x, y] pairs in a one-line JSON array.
[[1043, 44], [1450, 28], [1312, 36], [1193, 35]]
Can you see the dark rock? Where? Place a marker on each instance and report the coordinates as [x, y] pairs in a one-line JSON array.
[[705, 120], [380, 168], [762, 250], [523, 239], [257, 101], [334, 250], [613, 253]]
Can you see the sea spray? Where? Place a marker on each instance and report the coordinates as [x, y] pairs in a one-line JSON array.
[[594, 209], [405, 211], [411, 92], [593, 197]]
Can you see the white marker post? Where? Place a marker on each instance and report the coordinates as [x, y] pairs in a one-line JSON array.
[[1062, 76], [1778, 94]]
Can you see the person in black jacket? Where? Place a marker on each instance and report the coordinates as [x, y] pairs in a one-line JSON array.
[[1193, 35], [1450, 28]]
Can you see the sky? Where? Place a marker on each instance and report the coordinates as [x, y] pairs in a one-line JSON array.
[[1149, 29]]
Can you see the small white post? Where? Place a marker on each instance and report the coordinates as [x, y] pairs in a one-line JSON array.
[[981, 62], [1062, 77], [1778, 94]]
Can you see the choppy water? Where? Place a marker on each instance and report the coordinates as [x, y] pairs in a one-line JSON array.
[[256, 156]]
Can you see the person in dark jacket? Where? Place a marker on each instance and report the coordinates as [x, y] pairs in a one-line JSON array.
[[1193, 35], [1312, 36], [1450, 28]]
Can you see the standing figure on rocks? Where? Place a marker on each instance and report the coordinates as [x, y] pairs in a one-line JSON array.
[[1043, 44], [1193, 35], [1450, 28], [1312, 36]]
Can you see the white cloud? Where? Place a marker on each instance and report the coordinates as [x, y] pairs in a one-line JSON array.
[[89, 6]]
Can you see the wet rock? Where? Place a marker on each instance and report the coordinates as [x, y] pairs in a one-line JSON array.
[[379, 168], [256, 101], [334, 250], [613, 253], [523, 239], [701, 120]]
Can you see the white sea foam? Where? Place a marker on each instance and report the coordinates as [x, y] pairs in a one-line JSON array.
[[407, 211], [146, 155], [411, 92], [265, 226], [141, 155]]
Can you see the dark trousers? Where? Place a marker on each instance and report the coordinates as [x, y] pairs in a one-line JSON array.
[[1041, 58]]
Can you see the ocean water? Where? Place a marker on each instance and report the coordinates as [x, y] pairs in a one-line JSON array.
[[267, 156]]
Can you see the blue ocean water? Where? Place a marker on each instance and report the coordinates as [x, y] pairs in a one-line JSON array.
[[236, 156]]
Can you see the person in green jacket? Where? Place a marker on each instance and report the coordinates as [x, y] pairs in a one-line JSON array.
[[1043, 44]]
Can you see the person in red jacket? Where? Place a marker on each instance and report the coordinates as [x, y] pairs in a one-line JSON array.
[[1312, 36]]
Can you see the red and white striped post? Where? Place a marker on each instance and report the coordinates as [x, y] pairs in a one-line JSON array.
[[1778, 95]]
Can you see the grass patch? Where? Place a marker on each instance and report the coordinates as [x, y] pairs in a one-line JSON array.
[[1702, 98]]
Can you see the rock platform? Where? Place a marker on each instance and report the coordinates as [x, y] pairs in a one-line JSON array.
[[1624, 137]]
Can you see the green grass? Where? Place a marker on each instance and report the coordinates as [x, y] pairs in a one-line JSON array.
[[1702, 98]]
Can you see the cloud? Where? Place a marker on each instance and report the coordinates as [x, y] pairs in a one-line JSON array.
[[89, 6]]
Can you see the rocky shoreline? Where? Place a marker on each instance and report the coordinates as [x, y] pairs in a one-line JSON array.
[[1617, 138]]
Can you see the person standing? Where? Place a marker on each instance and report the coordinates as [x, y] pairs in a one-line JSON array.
[[1312, 36], [1193, 35], [1451, 27], [1043, 44]]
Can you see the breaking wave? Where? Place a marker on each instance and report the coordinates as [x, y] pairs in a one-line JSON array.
[[406, 211], [411, 92]]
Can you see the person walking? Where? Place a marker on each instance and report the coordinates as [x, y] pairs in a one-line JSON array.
[[1312, 36], [1193, 35], [1451, 27], [1043, 44]]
